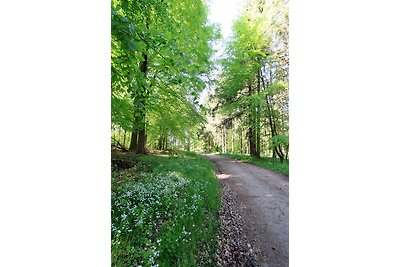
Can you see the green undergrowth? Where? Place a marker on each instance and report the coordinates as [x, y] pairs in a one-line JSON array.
[[269, 163], [164, 210]]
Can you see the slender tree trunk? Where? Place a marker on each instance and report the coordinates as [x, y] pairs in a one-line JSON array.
[[257, 118], [271, 120], [226, 140], [124, 138], [251, 131], [165, 147], [253, 151], [233, 138], [241, 141], [209, 142], [266, 150], [287, 153], [160, 140], [134, 138], [223, 140], [119, 135], [274, 153], [280, 153], [259, 130]]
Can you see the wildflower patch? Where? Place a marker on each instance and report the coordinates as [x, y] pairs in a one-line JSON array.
[[166, 216]]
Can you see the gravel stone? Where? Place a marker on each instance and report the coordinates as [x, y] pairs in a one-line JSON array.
[[234, 249]]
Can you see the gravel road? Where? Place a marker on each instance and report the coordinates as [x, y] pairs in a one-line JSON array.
[[261, 198]]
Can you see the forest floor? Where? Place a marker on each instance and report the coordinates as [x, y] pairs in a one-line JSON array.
[[260, 197]]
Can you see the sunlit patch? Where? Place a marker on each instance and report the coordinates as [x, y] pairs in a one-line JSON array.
[[223, 176]]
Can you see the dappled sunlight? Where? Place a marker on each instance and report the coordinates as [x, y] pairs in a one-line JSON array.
[[223, 176], [238, 161]]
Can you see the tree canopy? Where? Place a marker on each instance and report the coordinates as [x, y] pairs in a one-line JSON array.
[[161, 60], [160, 56], [252, 91]]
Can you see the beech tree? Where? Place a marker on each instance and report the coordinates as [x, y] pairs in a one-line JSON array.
[[160, 55], [253, 87]]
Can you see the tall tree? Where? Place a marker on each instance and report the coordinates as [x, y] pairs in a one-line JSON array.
[[160, 51], [254, 83]]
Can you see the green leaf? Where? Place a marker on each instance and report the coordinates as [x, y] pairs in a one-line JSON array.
[[139, 57], [131, 45]]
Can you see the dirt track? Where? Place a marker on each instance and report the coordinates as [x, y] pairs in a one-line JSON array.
[[263, 203]]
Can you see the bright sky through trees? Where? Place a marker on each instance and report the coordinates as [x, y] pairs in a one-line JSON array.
[[224, 12], [249, 97], [166, 78]]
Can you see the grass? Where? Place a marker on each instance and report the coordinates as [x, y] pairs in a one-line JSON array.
[[269, 163], [164, 211]]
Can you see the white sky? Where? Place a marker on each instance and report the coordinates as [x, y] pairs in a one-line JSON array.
[[224, 12]]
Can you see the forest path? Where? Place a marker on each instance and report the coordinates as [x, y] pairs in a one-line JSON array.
[[263, 203]]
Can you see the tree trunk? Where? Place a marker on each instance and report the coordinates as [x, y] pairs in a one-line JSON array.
[[253, 151], [223, 140], [141, 142], [241, 140], [287, 153], [277, 149], [134, 141], [258, 138], [124, 138], [160, 142], [281, 155], [233, 138], [140, 114], [119, 136], [257, 118], [252, 135], [209, 143]]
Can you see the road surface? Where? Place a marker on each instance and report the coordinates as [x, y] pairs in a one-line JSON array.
[[263, 203]]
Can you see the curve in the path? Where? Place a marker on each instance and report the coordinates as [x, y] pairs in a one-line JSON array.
[[264, 205]]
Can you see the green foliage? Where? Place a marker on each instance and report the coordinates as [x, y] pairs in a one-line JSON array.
[[164, 212], [160, 54], [276, 88], [254, 83], [280, 140], [269, 163]]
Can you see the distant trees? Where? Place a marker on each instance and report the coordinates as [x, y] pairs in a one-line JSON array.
[[160, 54], [160, 58], [252, 93]]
